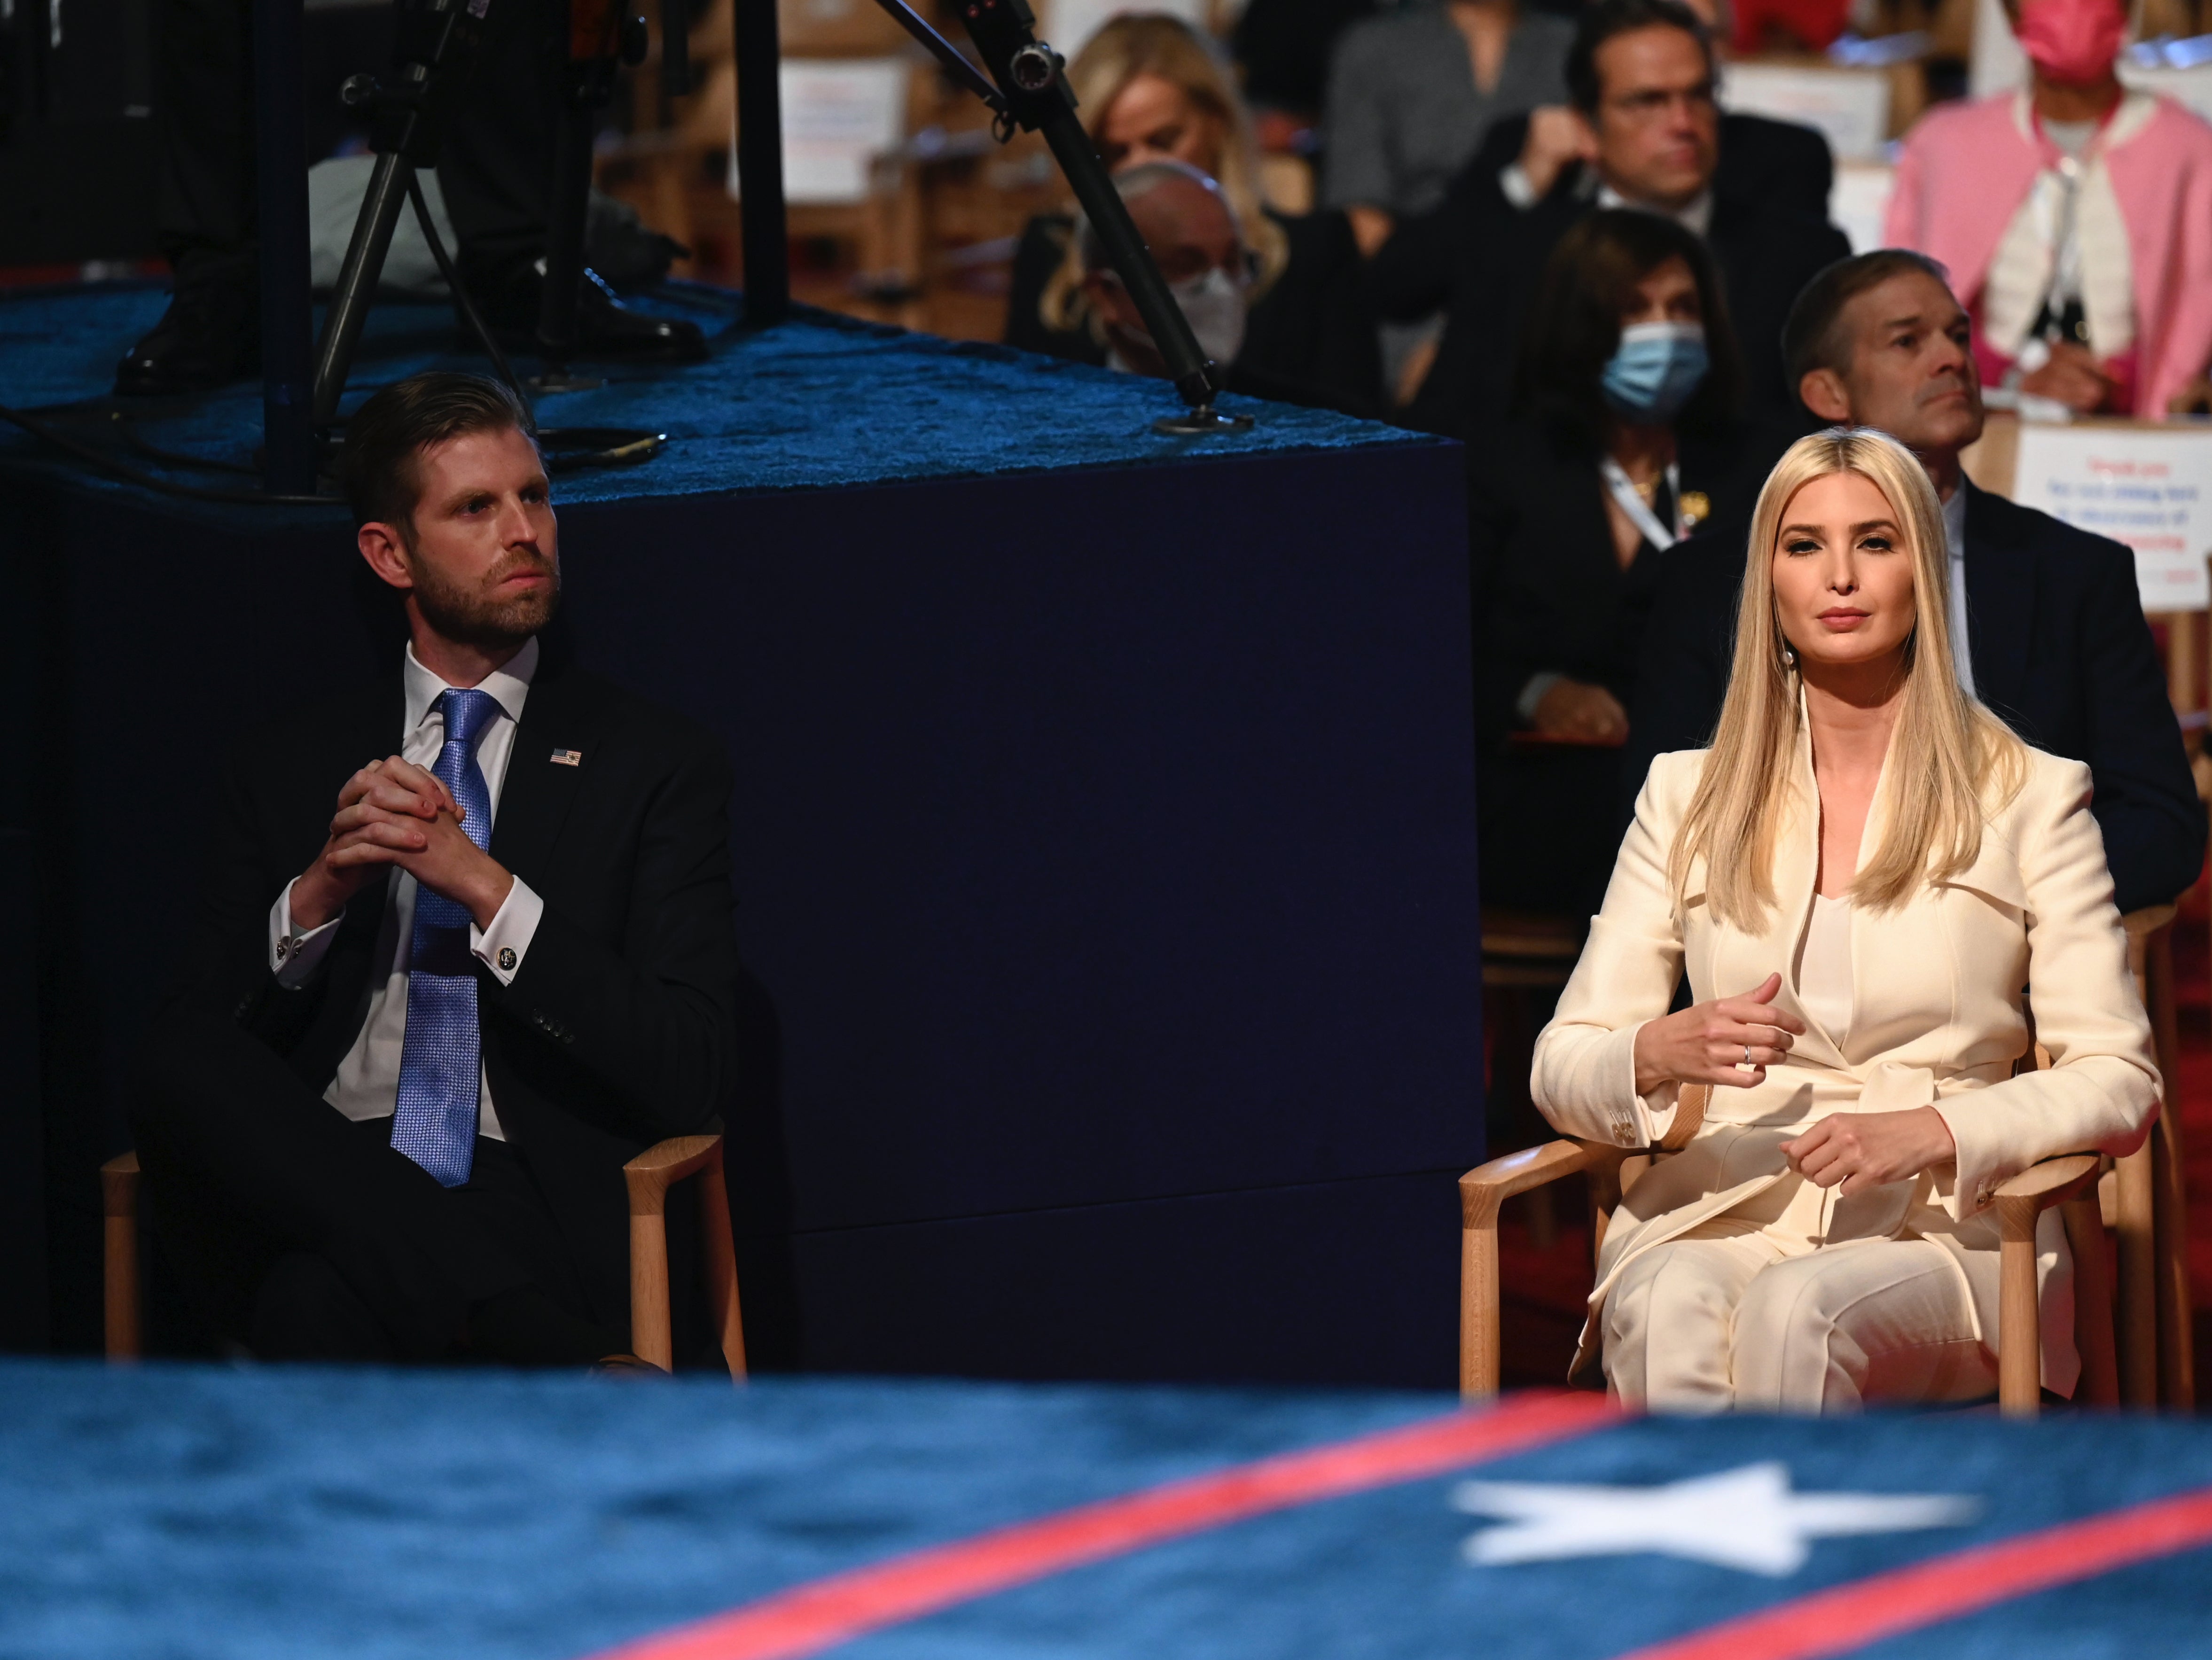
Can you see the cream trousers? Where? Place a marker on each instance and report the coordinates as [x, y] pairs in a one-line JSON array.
[[1725, 1318]]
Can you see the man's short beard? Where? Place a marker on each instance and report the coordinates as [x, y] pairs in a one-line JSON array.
[[468, 617]]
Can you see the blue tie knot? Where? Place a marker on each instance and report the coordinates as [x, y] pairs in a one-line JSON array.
[[466, 715]]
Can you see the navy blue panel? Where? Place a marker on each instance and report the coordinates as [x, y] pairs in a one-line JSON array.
[[1101, 834], [1336, 1282]]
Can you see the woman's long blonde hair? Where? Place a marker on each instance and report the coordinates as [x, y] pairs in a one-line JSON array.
[[1152, 43], [1950, 762]]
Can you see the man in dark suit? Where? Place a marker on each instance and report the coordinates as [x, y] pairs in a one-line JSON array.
[[385, 1114], [1642, 75], [2050, 617]]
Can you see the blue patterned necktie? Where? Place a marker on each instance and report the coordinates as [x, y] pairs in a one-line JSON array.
[[441, 1061]]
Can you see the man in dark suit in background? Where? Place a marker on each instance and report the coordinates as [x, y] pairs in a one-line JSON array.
[[384, 1115], [2050, 617], [1642, 75]]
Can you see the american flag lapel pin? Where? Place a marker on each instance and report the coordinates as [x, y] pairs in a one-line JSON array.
[[568, 757]]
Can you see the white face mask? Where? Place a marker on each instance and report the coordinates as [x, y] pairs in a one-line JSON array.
[[1213, 303]]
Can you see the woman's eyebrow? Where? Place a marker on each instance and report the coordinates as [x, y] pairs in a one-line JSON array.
[[1801, 530], [1873, 525]]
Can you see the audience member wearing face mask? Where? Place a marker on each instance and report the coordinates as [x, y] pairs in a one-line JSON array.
[[1641, 76], [1151, 90], [2047, 622], [2075, 217], [1195, 239], [1623, 435]]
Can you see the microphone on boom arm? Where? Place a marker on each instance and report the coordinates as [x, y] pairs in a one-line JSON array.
[[1032, 92]]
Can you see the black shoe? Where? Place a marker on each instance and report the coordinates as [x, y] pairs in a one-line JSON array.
[[606, 330], [209, 336]]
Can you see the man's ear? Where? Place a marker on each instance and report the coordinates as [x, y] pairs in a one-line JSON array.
[[1822, 392], [386, 550]]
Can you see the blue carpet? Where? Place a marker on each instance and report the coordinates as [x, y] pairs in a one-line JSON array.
[[179, 1512], [819, 400]]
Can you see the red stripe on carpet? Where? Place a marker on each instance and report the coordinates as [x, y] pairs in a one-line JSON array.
[[1849, 1617], [810, 1618]]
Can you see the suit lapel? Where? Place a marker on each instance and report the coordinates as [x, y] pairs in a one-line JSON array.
[[2000, 603], [559, 717]]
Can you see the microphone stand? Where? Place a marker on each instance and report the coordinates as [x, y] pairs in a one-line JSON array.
[[1032, 93]]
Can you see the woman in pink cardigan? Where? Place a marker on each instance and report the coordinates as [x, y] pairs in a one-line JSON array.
[[2076, 218]]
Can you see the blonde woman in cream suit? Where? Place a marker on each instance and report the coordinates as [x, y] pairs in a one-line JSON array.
[[1861, 877]]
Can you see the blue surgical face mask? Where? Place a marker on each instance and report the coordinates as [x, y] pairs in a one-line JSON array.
[[1657, 369]]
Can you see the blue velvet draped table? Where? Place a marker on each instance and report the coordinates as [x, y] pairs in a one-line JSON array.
[[1104, 832]]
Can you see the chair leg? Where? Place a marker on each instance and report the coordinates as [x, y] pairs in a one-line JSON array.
[[2092, 1302], [118, 1195], [720, 1252], [2177, 1359], [2177, 1382], [650, 1337], [2019, 1318], [2137, 1314], [1480, 1357]]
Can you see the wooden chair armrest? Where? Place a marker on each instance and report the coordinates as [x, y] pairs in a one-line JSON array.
[[2042, 1185], [1488, 1186], [1690, 1104], [2069, 1179], [649, 1176], [2141, 923], [663, 1163]]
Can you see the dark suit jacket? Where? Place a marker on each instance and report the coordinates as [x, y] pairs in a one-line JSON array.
[[2060, 650], [1550, 593], [1779, 165], [1308, 340], [1551, 596], [620, 1028], [1479, 258]]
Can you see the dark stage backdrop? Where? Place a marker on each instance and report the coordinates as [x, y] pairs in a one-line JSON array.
[[1105, 855]]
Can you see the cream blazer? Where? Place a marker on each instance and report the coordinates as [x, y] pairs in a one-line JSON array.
[[1938, 1019]]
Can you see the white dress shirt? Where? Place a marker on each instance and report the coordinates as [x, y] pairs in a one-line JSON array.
[[367, 1082], [1695, 216], [1962, 645]]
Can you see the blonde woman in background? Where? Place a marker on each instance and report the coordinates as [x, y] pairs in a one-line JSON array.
[[1150, 88], [1859, 878]]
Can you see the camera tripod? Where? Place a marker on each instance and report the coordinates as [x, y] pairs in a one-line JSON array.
[[436, 41]]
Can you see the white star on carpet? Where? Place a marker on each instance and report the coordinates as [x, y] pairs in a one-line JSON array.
[[1746, 1518]]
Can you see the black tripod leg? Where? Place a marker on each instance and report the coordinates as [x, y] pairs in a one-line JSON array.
[[357, 279]]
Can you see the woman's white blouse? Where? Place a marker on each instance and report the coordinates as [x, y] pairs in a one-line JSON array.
[[1824, 967]]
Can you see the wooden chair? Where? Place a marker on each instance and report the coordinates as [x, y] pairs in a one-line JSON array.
[[1523, 951], [2138, 1354], [648, 1176]]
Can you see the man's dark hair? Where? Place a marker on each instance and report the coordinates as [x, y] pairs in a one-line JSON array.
[[1814, 336], [1574, 327], [388, 435], [1604, 19]]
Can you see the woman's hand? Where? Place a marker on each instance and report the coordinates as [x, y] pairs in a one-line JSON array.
[[2073, 377], [1867, 1150], [1711, 1042], [1578, 711]]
